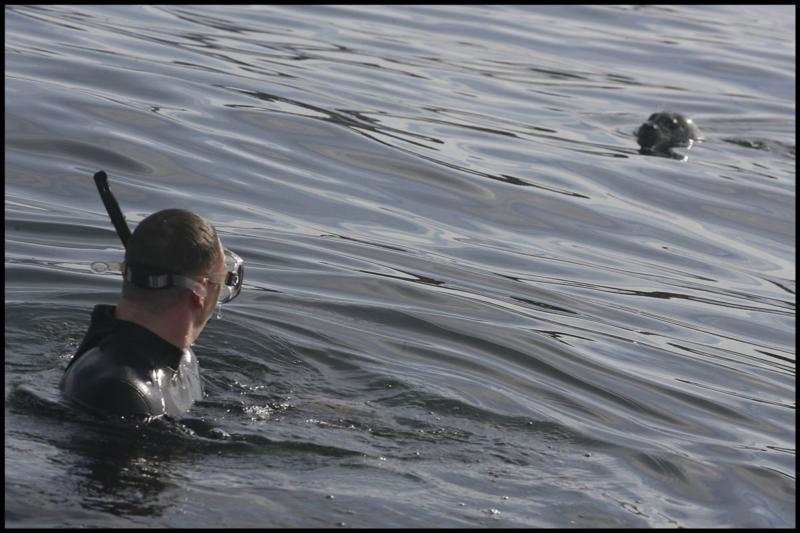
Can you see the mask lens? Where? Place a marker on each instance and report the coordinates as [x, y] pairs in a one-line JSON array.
[[234, 278]]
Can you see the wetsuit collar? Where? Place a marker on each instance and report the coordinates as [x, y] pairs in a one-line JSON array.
[[136, 342]]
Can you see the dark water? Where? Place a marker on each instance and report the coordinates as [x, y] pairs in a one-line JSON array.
[[469, 300]]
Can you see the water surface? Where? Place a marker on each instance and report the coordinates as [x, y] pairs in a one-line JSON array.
[[469, 300]]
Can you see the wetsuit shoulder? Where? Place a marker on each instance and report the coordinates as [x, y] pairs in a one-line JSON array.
[[104, 391], [99, 384]]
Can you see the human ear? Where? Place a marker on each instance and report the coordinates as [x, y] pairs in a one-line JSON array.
[[198, 298]]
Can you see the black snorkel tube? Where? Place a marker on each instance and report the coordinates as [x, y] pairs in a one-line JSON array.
[[112, 207]]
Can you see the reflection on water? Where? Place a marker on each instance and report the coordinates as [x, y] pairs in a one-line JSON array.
[[469, 300]]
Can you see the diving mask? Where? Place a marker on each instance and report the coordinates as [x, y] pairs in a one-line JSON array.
[[230, 279]]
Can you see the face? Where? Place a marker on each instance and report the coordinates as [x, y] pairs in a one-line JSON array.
[[666, 130], [212, 289]]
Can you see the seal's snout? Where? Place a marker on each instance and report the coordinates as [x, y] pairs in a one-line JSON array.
[[648, 135]]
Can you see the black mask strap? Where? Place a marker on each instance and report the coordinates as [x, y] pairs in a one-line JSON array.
[[112, 207]]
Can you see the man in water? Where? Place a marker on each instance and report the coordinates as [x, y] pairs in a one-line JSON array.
[[136, 358]]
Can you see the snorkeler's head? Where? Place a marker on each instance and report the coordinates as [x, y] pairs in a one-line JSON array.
[[172, 241]]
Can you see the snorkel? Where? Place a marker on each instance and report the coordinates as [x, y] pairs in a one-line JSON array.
[[112, 207]]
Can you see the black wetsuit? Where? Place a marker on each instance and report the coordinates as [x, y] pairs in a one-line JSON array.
[[125, 369]]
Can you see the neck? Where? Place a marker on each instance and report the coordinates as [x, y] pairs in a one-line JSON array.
[[175, 325]]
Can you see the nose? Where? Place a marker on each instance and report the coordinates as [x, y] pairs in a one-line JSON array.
[[647, 135]]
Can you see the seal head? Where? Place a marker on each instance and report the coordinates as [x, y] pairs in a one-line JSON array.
[[666, 130]]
